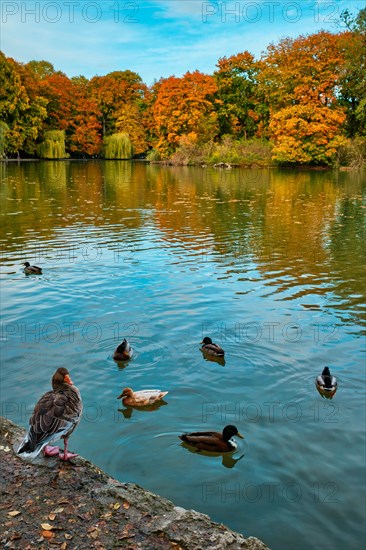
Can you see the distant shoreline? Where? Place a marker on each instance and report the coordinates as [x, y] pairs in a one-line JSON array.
[[219, 166]]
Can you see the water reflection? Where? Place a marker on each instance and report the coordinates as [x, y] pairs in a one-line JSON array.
[[228, 459], [220, 360], [303, 232], [127, 411]]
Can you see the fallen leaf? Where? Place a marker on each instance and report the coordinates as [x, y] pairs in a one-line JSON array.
[[14, 513], [47, 534], [67, 536], [63, 546], [126, 505], [46, 526], [57, 511], [51, 517], [117, 505]]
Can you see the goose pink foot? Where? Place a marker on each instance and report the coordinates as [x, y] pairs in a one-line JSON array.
[[65, 455], [51, 451]]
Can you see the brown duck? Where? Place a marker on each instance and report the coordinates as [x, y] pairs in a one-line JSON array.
[[141, 398], [55, 416], [214, 442]]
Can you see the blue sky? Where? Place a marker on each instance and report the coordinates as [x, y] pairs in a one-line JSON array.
[[155, 38]]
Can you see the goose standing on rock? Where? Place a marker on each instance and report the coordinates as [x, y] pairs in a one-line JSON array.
[[55, 416]]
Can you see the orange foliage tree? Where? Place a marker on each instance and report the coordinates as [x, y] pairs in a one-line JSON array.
[[304, 70], [184, 110], [300, 79], [85, 135], [120, 98]]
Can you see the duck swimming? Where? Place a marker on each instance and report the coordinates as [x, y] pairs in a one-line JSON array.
[[55, 416], [215, 442], [32, 269], [326, 383], [211, 349], [123, 352], [141, 398]]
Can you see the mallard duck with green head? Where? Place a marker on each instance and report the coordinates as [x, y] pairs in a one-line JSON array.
[[326, 383], [32, 269], [123, 352], [214, 442], [210, 348]]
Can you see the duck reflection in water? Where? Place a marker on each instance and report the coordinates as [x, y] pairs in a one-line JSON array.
[[220, 360], [228, 459], [128, 410]]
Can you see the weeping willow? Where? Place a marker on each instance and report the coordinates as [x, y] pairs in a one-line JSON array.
[[3, 129], [118, 146], [53, 145]]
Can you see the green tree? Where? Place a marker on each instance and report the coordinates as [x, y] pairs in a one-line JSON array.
[[235, 97], [53, 145], [118, 146], [353, 80], [22, 107]]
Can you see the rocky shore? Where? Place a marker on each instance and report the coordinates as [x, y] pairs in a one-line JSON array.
[[50, 504]]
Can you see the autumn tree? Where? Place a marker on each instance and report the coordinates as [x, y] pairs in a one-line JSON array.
[[85, 130], [184, 110], [307, 134], [119, 96], [58, 90], [236, 100], [302, 70], [301, 78], [22, 107]]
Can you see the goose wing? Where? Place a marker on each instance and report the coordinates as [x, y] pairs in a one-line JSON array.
[[55, 415]]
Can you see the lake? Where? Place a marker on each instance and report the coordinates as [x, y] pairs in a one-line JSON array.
[[270, 263]]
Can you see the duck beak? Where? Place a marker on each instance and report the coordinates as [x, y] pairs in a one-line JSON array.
[[68, 380], [119, 397], [126, 353], [241, 436]]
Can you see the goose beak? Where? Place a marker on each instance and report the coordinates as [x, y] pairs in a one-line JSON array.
[[68, 380], [241, 436]]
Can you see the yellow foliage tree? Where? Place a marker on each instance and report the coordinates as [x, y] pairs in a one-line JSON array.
[[307, 134]]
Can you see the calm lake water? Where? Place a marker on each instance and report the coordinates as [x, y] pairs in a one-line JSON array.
[[268, 263]]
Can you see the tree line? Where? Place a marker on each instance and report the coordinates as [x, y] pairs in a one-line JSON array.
[[303, 102]]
